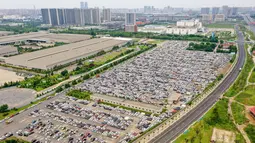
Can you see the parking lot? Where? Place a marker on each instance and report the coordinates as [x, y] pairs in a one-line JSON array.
[[67, 119], [151, 77]]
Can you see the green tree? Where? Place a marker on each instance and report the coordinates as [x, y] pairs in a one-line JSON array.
[[4, 108], [64, 73]]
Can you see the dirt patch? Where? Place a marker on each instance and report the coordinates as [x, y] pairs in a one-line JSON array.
[[223, 136], [225, 69]]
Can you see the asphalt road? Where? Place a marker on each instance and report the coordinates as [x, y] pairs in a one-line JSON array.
[[182, 124]]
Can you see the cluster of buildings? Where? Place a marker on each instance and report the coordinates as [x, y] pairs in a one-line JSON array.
[[76, 16], [183, 27], [159, 74], [218, 14]]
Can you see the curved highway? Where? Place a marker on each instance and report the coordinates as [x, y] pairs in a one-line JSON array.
[[182, 124]]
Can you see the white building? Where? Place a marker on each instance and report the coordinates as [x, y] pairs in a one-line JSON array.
[[219, 18], [185, 27]]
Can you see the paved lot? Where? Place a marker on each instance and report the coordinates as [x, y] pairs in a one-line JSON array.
[[60, 119], [16, 97], [8, 76]]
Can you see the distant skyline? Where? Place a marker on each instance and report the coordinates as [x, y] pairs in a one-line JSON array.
[[13, 4]]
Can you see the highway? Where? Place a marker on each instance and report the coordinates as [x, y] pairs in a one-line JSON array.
[[182, 124]]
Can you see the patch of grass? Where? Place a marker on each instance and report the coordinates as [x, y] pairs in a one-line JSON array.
[[15, 111], [217, 117], [238, 111], [250, 130], [14, 140], [240, 83], [252, 77], [39, 83], [124, 107], [80, 94], [108, 56], [247, 97], [219, 25]]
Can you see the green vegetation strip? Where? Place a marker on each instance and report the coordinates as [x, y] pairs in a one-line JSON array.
[[79, 94], [250, 130], [252, 77], [238, 111], [247, 97], [13, 140], [124, 107], [17, 110], [116, 33], [217, 117], [219, 25], [240, 83]]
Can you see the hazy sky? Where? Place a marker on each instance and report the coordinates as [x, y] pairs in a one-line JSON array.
[[122, 3]]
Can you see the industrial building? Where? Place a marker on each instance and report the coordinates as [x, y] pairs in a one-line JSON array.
[[49, 58], [42, 36], [76, 16], [185, 27], [8, 50]]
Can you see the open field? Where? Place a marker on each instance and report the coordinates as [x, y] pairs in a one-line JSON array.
[[9, 76], [247, 97], [16, 97], [219, 25], [252, 77], [250, 130], [49, 58], [102, 59], [202, 130], [238, 111]]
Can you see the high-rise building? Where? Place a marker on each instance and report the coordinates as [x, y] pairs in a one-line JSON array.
[[215, 10], [73, 16], [82, 5], [205, 10], [96, 16], [106, 15], [70, 20], [77, 16], [54, 16], [148, 9], [61, 16], [46, 16], [130, 22], [225, 10], [233, 11], [86, 5], [88, 16]]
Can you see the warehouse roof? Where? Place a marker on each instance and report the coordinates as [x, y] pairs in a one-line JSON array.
[[48, 58], [68, 38]]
